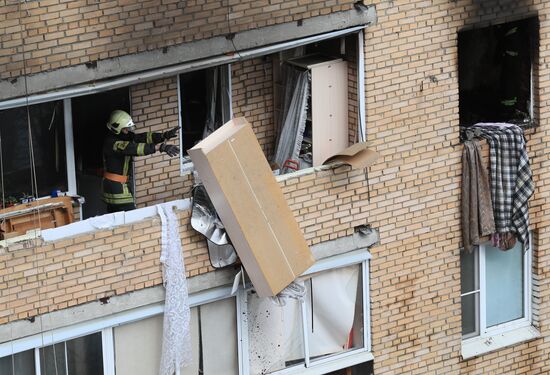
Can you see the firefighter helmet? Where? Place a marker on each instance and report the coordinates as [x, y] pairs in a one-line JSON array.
[[118, 121]]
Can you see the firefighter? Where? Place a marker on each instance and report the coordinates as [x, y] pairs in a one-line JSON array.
[[119, 148]]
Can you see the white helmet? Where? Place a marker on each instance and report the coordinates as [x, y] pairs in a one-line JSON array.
[[118, 121]]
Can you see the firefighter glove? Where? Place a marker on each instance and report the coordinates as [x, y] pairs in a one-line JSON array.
[[171, 150], [172, 133]]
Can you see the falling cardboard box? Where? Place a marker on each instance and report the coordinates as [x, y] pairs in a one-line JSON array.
[[252, 207]]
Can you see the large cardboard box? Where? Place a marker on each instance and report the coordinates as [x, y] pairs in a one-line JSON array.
[[252, 207]]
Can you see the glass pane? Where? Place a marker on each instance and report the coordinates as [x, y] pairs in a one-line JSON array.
[[143, 340], [334, 311], [52, 359], [275, 333], [504, 281], [469, 314], [48, 138], [219, 319], [468, 271], [18, 364], [85, 356]]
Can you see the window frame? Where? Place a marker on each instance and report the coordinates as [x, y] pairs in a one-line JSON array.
[[327, 363], [104, 325], [481, 307], [47, 339], [187, 166]]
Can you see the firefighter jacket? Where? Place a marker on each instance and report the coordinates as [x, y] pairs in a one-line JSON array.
[[118, 152]]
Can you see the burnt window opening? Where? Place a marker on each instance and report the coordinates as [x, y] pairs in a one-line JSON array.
[[495, 66], [204, 102], [90, 114]]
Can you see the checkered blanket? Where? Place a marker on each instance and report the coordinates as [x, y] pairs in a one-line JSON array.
[[511, 178]]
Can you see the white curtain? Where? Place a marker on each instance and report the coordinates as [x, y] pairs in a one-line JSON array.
[[176, 340]]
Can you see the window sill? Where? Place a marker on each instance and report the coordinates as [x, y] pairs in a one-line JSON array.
[[334, 364], [482, 345], [188, 167]]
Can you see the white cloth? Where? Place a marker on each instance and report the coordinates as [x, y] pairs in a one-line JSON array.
[[176, 337]]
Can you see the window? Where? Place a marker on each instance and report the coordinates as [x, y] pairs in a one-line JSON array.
[[205, 104], [296, 335], [67, 141], [495, 290], [78, 356], [213, 339], [19, 178], [496, 72]]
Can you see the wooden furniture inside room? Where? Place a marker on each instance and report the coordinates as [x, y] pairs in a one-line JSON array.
[[327, 117], [39, 214]]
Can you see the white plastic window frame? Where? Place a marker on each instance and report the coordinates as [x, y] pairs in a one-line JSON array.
[[328, 363], [104, 325], [481, 306], [48, 339]]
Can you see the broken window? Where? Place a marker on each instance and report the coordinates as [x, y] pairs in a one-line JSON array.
[[325, 319], [313, 110], [205, 104], [32, 163], [495, 289], [495, 72]]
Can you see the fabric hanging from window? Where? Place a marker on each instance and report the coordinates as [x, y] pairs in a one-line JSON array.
[[291, 130], [217, 101], [477, 208], [176, 340], [511, 182]]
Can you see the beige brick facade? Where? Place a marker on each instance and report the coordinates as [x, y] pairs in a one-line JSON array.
[[412, 121]]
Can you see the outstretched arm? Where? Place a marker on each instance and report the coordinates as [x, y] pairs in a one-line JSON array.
[[151, 137], [134, 148]]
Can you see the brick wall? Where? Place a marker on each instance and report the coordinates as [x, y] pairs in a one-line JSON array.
[[58, 33], [157, 177], [413, 122], [252, 90], [37, 278]]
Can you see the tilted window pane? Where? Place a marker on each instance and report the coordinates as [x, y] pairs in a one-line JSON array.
[[504, 282], [218, 322], [52, 359], [85, 355], [18, 364], [468, 271], [470, 314], [334, 311]]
